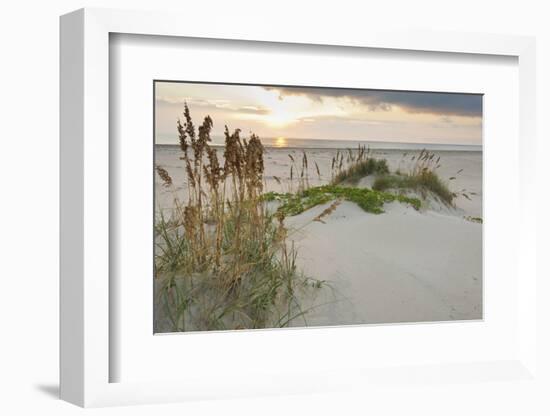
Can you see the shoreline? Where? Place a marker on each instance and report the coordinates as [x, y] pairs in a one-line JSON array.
[[412, 147]]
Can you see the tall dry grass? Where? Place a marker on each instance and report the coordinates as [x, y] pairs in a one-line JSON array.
[[350, 167], [421, 177], [222, 260]]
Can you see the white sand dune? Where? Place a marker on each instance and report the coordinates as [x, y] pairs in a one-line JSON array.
[[400, 266]]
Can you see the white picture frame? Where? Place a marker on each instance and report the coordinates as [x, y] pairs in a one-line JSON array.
[[85, 354]]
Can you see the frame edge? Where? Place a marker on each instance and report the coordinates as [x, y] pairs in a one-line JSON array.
[[71, 202]]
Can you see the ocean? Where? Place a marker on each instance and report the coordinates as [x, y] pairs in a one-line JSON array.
[[289, 143]]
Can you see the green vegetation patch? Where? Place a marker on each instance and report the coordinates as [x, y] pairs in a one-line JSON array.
[[360, 169], [424, 182], [369, 200]]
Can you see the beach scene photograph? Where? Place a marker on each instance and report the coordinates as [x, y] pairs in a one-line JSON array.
[[292, 207]]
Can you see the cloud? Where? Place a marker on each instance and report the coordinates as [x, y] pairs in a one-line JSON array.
[[249, 109], [211, 104], [161, 99], [346, 119], [442, 104]]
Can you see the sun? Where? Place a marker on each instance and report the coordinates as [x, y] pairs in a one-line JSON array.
[[280, 142]]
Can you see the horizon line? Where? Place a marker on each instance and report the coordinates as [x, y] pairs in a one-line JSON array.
[[346, 140]]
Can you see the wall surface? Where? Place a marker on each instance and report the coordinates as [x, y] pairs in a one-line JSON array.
[[29, 208]]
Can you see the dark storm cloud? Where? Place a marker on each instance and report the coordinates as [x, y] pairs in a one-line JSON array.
[[444, 104]]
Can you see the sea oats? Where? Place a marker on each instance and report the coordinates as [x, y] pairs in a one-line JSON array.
[[166, 179], [327, 211]]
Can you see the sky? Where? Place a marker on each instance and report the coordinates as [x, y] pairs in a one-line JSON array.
[[321, 113]]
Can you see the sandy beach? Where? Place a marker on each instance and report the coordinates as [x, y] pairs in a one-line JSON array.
[[404, 265]]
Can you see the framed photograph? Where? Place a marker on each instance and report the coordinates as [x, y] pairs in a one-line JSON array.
[[284, 228], [248, 215]]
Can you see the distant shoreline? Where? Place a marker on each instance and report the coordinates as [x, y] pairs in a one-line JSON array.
[[375, 146]]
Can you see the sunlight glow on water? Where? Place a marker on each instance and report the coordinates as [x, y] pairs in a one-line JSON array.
[[280, 142]]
